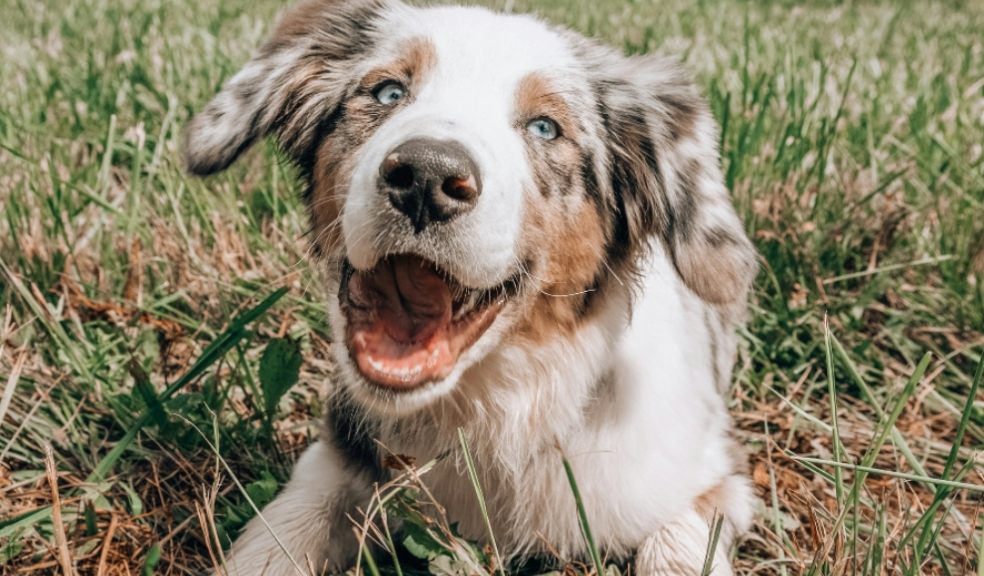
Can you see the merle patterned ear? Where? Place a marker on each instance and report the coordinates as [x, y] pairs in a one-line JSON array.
[[666, 176], [290, 87]]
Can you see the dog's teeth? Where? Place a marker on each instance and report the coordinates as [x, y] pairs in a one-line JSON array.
[[468, 304]]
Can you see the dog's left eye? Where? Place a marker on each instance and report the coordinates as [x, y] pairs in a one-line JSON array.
[[390, 93], [543, 128]]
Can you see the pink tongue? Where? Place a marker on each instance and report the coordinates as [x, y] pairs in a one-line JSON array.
[[399, 330], [410, 298]]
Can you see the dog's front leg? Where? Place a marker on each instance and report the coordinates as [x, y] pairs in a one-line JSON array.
[[306, 526], [681, 547]]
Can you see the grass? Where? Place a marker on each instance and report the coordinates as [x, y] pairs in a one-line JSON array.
[[150, 321]]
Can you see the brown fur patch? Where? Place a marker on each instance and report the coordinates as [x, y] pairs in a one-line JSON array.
[[359, 118], [557, 163], [572, 249], [328, 189], [536, 96], [710, 503], [418, 57]]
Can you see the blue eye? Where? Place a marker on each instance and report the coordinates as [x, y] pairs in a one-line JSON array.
[[543, 128], [390, 93]]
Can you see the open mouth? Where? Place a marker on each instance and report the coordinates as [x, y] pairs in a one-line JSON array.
[[408, 322]]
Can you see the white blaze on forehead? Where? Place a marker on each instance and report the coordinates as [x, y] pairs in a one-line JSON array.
[[491, 48], [469, 95]]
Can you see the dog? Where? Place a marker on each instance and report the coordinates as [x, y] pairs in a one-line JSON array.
[[524, 234]]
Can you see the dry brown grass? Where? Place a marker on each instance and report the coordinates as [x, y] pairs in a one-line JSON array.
[[853, 147]]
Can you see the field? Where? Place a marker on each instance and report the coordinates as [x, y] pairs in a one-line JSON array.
[[151, 322]]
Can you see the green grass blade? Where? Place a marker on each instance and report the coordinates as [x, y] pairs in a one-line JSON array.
[[224, 342], [582, 517], [832, 396], [977, 489], [887, 424], [480, 495], [67, 344], [9, 526], [965, 417], [370, 561], [952, 457], [712, 544], [897, 439], [980, 555]]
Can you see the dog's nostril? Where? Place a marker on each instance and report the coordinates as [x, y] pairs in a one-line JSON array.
[[400, 176], [463, 189], [430, 180]]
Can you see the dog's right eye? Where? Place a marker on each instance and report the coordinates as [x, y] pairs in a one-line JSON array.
[[390, 93], [543, 128]]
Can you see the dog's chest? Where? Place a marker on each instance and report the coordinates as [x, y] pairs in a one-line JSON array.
[[529, 497], [529, 503]]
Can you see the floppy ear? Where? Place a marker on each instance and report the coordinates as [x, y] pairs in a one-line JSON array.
[[666, 176], [291, 87]]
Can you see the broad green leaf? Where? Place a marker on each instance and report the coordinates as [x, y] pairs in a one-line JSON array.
[[279, 368], [421, 543], [145, 389], [263, 490]]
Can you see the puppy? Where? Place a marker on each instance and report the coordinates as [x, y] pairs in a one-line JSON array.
[[523, 234]]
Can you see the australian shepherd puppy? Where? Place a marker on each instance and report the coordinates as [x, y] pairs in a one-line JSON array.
[[523, 234]]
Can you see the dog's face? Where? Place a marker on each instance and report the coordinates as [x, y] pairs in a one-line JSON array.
[[476, 180]]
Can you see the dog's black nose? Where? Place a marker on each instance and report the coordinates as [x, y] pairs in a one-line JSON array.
[[430, 180]]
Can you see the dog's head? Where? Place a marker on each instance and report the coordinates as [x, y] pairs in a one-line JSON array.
[[476, 177]]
